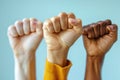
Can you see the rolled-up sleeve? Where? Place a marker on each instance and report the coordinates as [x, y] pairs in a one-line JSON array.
[[56, 72]]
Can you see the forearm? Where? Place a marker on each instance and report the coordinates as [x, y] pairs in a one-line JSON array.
[[25, 67], [93, 67]]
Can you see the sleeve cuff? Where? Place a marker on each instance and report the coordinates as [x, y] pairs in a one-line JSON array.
[[52, 67], [56, 72]]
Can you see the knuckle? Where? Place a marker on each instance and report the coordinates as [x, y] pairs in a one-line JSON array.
[[62, 14], [26, 20], [71, 15], [55, 19]]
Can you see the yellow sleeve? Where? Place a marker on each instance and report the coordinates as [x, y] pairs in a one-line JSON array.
[[56, 72]]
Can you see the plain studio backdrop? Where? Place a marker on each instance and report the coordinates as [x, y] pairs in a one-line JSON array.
[[88, 10]]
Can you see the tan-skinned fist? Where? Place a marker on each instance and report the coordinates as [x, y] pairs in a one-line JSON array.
[[60, 33], [99, 37]]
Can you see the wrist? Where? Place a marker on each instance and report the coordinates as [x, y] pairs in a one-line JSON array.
[[58, 56], [95, 59], [24, 57], [96, 62], [25, 67]]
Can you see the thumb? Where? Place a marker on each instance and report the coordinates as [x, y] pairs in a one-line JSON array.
[[76, 23], [113, 29]]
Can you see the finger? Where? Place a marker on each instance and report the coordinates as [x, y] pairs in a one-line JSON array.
[[39, 28], [102, 27], [48, 26], [96, 28], [26, 26], [84, 30], [85, 33], [113, 30], [63, 20], [12, 31], [19, 27], [70, 15], [33, 23], [56, 23], [77, 24], [85, 37], [108, 22], [90, 32]]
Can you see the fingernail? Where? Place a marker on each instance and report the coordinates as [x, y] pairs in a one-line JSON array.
[[34, 23], [73, 20], [112, 27]]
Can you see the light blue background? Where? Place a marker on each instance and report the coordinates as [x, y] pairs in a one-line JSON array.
[[88, 10]]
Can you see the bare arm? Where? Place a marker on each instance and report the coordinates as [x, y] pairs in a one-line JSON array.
[[98, 39], [25, 67], [93, 67], [24, 37]]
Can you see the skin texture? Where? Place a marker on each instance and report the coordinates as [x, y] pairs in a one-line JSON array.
[[98, 39], [24, 37], [60, 32]]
